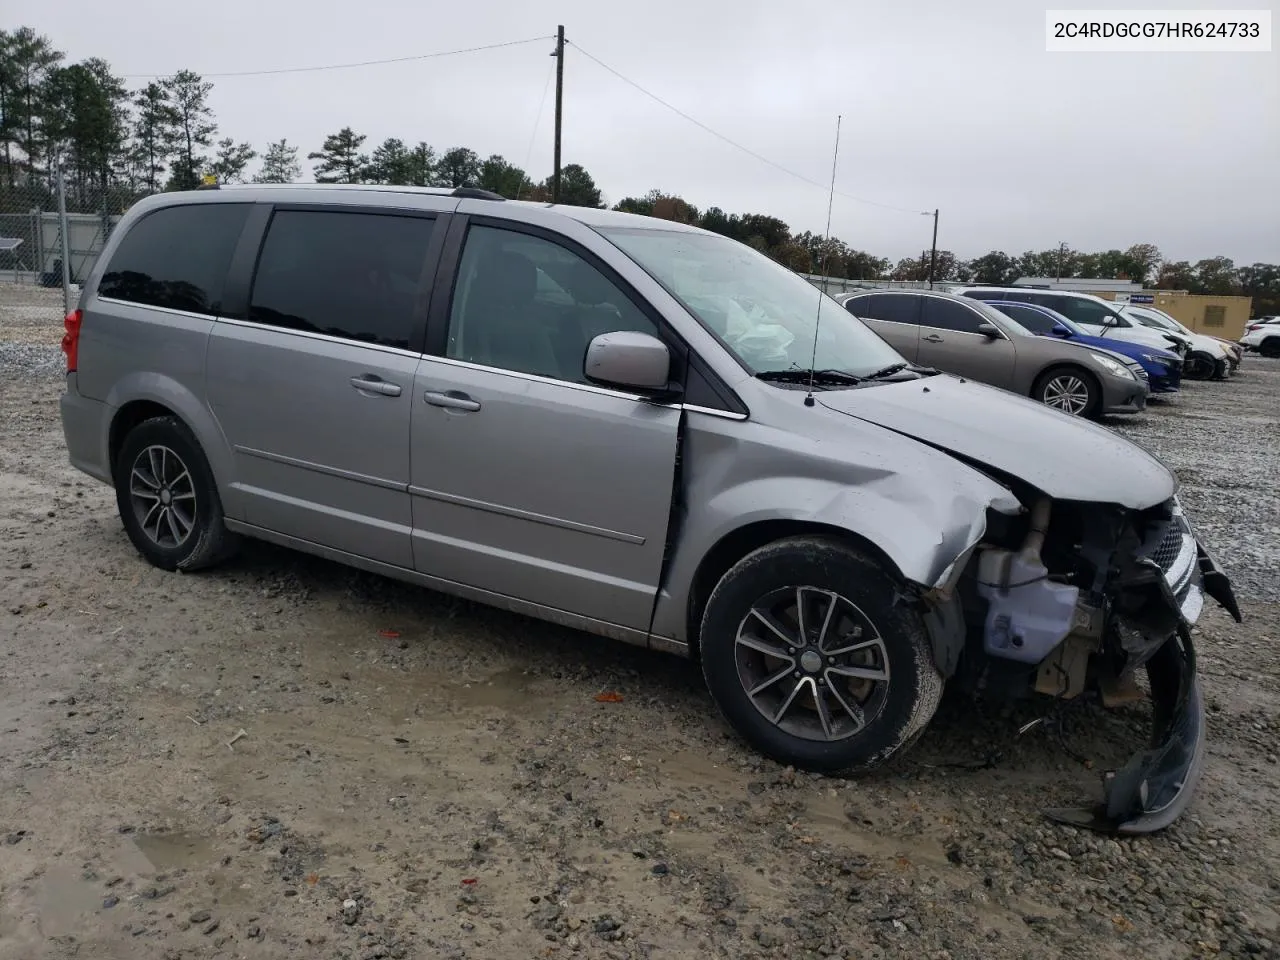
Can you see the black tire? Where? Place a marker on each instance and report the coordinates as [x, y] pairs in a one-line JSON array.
[[144, 468], [1199, 366], [1056, 379], [893, 712], [1270, 347]]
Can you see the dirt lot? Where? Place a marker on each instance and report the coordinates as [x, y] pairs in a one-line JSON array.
[[419, 777]]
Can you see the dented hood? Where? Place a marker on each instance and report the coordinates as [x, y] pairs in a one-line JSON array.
[[1066, 457]]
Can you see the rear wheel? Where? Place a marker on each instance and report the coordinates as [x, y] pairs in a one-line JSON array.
[[1270, 347], [167, 498], [814, 658], [1070, 389]]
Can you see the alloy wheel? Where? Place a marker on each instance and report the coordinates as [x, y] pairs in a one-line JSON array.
[[163, 496], [1068, 393], [812, 663]]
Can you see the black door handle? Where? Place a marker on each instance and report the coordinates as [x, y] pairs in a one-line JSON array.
[[933, 338]]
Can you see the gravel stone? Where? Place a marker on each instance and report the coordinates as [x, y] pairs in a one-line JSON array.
[[516, 778]]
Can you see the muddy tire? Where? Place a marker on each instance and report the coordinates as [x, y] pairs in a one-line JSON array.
[[815, 658], [167, 498]]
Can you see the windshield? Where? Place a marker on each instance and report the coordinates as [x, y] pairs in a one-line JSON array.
[[1005, 321], [761, 310], [1155, 318], [1031, 319]]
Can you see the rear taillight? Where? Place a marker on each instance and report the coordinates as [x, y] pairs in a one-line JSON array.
[[71, 339]]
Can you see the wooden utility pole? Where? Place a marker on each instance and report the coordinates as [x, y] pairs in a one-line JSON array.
[[933, 252], [559, 55]]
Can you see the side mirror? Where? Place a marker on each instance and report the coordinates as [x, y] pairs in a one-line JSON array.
[[989, 330], [1062, 332], [628, 359]]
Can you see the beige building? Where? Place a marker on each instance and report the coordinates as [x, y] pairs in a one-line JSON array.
[[1224, 317]]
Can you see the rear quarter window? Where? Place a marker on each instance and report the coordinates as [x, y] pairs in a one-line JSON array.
[[176, 257]]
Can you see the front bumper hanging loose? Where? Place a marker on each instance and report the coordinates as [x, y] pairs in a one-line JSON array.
[[1152, 790]]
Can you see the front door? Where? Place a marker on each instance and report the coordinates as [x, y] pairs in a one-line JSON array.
[[313, 390], [527, 480], [950, 341]]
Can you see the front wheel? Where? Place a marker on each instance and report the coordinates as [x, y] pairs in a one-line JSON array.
[[1270, 347], [1069, 389], [1200, 366], [815, 659]]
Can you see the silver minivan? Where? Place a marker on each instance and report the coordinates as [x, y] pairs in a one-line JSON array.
[[642, 430]]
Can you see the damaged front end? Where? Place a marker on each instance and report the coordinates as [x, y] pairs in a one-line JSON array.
[[1072, 597]]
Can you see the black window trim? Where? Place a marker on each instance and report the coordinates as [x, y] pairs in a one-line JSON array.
[[245, 230], [684, 359], [248, 254]]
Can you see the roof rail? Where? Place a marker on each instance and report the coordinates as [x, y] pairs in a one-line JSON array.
[[475, 193]]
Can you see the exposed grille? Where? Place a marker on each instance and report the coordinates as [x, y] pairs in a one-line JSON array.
[[1168, 549]]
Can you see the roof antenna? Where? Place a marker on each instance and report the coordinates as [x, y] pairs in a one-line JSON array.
[[826, 249]]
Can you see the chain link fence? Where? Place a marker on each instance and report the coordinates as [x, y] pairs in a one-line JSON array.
[[51, 233]]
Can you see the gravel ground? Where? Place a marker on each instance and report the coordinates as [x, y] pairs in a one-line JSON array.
[[285, 758]]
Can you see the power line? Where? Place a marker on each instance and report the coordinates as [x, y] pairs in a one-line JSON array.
[[347, 66], [528, 157], [733, 143]]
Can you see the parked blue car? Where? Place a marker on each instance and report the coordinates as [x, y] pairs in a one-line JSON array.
[[1164, 367]]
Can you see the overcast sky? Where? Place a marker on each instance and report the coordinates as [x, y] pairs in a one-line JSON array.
[[948, 105]]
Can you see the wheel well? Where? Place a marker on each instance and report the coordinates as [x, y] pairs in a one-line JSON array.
[[128, 417], [737, 544]]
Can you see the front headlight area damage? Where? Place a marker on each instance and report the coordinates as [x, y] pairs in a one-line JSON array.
[[1070, 598]]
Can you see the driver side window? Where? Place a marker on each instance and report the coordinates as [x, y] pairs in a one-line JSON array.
[[530, 305]]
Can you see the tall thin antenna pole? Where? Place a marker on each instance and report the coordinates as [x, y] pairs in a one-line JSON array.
[[826, 250], [559, 55]]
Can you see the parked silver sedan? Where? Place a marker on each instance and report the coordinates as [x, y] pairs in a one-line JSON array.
[[966, 337]]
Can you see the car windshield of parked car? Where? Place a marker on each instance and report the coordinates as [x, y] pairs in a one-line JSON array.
[[1036, 321], [763, 312], [1147, 320], [1005, 321], [1164, 320]]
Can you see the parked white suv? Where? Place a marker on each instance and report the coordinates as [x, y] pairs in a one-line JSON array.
[[1263, 335], [1209, 357]]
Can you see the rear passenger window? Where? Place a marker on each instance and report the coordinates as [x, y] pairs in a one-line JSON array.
[[947, 315], [867, 306], [358, 276], [176, 257], [899, 307], [527, 304]]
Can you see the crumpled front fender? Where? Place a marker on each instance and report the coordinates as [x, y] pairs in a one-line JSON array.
[[925, 521]]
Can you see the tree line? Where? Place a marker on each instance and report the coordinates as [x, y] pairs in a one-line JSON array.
[[116, 145]]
